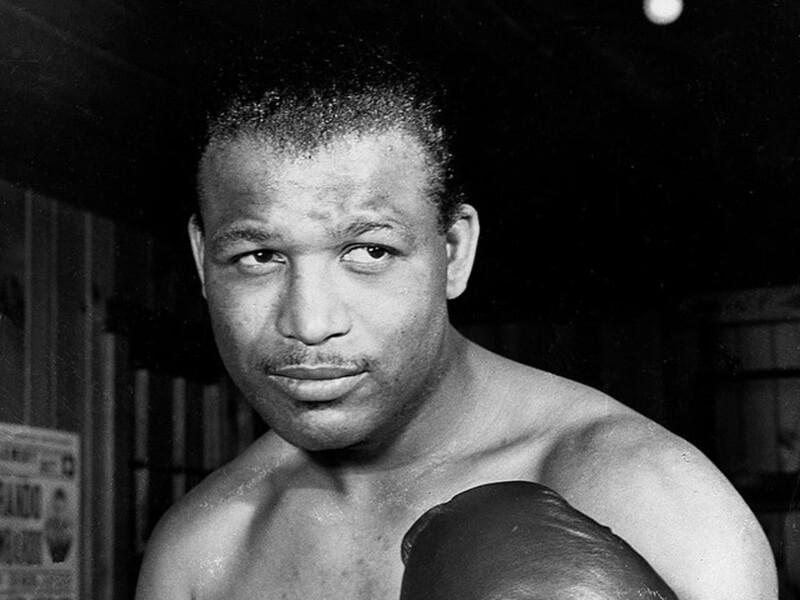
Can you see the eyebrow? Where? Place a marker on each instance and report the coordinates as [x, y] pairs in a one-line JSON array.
[[362, 226], [260, 235], [254, 235]]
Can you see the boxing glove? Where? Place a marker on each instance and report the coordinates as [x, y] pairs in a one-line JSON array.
[[519, 540]]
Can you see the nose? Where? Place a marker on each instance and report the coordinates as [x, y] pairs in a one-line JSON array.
[[311, 309]]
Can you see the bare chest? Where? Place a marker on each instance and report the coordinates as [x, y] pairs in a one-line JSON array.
[[306, 546], [316, 560]]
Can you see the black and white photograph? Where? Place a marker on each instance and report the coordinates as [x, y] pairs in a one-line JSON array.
[[383, 300]]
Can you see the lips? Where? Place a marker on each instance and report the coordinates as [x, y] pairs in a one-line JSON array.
[[317, 383]]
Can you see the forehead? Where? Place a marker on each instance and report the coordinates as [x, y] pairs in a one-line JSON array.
[[349, 169]]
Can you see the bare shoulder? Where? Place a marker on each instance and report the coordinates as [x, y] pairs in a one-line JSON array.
[[193, 549], [664, 497]]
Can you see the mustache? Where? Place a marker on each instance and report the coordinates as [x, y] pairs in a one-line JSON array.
[[308, 358]]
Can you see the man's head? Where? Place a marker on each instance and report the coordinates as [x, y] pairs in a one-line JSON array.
[[328, 252], [58, 505], [302, 93]]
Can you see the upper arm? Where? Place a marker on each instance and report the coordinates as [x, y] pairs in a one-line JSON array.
[[676, 509], [163, 575], [197, 548], [691, 525]]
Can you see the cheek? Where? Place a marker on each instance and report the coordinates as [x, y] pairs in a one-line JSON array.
[[237, 318], [413, 298], [407, 324], [409, 298]]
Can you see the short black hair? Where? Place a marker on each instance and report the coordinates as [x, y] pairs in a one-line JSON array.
[[306, 90]]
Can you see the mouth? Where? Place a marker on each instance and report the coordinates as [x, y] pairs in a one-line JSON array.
[[317, 383]]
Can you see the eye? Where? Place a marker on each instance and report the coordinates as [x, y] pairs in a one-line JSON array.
[[367, 255], [257, 260]]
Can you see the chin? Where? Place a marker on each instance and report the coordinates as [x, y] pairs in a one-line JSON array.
[[357, 423], [324, 443], [319, 435]]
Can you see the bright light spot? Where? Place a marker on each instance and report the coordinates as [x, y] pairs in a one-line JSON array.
[[663, 12]]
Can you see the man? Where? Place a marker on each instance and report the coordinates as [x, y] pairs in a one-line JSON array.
[[328, 242], [59, 529]]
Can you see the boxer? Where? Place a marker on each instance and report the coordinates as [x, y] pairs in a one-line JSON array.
[[329, 237]]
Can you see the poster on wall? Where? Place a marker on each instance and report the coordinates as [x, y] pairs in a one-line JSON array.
[[39, 513]]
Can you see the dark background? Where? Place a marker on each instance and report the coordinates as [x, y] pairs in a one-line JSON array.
[[615, 163]]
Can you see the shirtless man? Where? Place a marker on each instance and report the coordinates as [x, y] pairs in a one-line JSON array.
[[328, 244]]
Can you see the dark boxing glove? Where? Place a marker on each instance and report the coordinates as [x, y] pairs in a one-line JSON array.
[[518, 540]]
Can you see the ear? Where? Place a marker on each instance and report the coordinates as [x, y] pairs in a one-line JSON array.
[[462, 242], [197, 240]]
